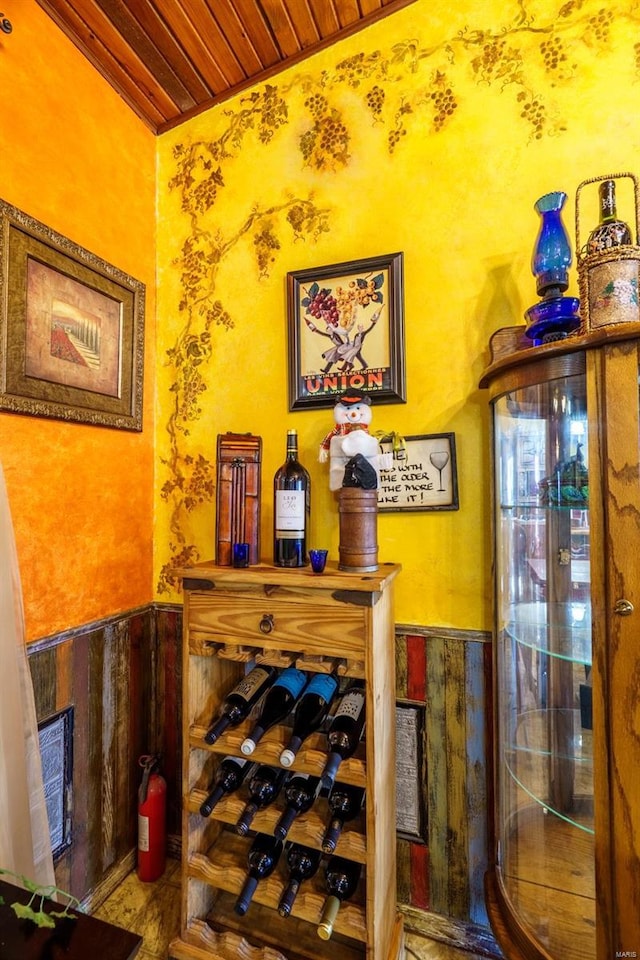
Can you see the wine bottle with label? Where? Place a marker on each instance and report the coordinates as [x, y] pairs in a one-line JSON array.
[[303, 863], [345, 802], [264, 786], [341, 880], [345, 731], [230, 775], [610, 232], [291, 508], [263, 857], [311, 711], [300, 792], [278, 703], [237, 705]]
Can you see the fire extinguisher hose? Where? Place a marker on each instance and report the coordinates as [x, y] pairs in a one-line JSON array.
[[149, 763]]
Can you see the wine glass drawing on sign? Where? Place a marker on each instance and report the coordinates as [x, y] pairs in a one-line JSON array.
[[439, 459]]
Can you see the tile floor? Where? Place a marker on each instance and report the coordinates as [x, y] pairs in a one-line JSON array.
[[153, 911]]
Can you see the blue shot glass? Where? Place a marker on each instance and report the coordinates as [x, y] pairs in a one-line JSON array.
[[241, 554], [318, 560]]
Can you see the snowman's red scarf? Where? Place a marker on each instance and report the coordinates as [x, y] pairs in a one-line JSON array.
[[341, 430]]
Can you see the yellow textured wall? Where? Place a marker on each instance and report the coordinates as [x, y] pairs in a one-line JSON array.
[[77, 159], [442, 125]]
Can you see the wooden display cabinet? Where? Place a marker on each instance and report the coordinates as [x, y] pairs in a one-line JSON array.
[[234, 618], [565, 880]]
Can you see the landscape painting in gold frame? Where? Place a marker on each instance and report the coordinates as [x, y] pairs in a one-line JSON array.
[[71, 329]]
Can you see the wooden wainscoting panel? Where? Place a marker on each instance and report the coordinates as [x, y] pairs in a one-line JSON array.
[[169, 709], [105, 671], [43, 677], [450, 672]]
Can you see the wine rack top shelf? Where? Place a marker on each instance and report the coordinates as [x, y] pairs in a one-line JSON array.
[[295, 577]]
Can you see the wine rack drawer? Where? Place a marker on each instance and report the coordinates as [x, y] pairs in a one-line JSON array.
[[225, 868], [308, 828], [331, 630], [311, 757]]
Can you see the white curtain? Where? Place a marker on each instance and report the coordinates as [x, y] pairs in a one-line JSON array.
[[25, 846]]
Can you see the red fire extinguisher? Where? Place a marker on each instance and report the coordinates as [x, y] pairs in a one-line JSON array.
[[152, 811]]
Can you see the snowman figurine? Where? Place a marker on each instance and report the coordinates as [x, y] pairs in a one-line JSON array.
[[350, 437]]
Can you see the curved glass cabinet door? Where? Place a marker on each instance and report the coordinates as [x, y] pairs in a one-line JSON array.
[[545, 826]]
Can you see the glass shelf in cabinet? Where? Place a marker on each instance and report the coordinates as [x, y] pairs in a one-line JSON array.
[[531, 741], [582, 819], [561, 630]]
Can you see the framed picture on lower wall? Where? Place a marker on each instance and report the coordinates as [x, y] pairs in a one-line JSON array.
[[71, 329]]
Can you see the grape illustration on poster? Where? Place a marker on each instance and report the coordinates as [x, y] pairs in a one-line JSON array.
[[423, 476]]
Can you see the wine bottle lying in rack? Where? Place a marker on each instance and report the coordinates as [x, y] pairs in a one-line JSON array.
[[263, 857], [278, 703], [264, 786], [303, 862], [345, 802], [231, 774], [311, 711], [341, 880], [237, 705], [300, 792], [346, 729]]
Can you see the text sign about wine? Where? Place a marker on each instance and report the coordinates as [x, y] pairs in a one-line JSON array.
[[423, 475]]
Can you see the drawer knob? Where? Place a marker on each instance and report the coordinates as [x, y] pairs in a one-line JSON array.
[[266, 624]]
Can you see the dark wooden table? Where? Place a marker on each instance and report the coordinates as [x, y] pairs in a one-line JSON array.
[[82, 938]]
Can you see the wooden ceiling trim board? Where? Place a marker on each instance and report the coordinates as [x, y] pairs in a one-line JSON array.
[[304, 23], [98, 55], [280, 22], [214, 41], [203, 60], [238, 38], [147, 52], [324, 13], [370, 6], [348, 12], [255, 26], [150, 19]]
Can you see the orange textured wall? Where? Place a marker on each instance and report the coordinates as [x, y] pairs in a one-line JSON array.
[[77, 159]]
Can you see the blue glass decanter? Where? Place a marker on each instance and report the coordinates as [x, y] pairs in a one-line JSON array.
[[556, 316]]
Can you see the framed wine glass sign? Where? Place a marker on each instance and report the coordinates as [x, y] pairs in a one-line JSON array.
[[423, 475], [346, 329]]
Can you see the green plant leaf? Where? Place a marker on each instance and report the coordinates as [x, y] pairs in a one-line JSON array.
[[39, 917]]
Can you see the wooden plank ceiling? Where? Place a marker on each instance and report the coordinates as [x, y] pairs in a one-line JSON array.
[[171, 59]]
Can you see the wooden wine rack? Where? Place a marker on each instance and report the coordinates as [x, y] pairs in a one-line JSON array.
[[320, 623]]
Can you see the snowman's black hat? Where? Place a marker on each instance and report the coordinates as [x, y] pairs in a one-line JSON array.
[[353, 396]]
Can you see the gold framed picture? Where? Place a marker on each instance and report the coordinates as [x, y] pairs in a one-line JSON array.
[[71, 329]]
